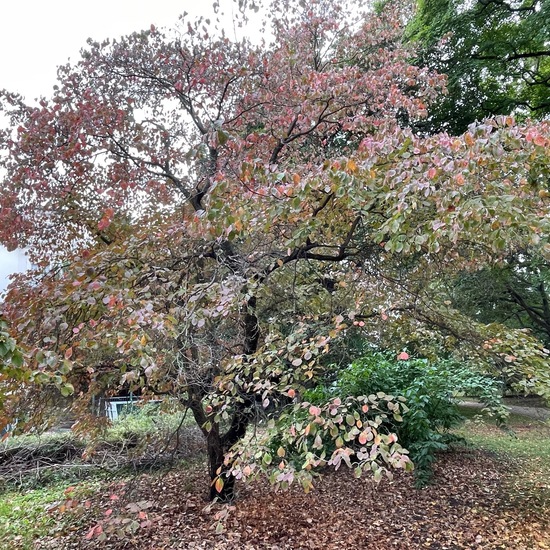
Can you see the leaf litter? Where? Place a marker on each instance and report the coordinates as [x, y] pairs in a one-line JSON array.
[[475, 502]]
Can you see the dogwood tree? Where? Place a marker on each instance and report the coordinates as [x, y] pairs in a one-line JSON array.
[[211, 219]]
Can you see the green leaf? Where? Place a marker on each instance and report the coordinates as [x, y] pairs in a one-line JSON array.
[[67, 389], [17, 359], [222, 137]]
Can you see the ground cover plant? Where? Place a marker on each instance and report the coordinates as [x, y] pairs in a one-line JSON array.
[[24, 517]]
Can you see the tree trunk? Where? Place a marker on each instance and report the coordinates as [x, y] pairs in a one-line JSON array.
[[216, 467], [217, 445]]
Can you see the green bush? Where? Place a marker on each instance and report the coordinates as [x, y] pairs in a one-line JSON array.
[[432, 392]]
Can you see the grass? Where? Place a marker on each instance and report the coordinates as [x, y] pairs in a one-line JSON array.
[[526, 448], [23, 517], [527, 439], [27, 516], [147, 421], [29, 507]]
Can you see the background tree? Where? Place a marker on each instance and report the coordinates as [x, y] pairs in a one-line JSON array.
[[515, 293], [497, 60], [210, 218], [494, 53]]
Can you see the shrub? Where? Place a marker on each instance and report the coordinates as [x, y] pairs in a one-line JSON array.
[[356, 431], [432, 392]]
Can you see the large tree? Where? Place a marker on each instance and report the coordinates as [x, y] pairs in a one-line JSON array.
[[515, 293], [210, 219]]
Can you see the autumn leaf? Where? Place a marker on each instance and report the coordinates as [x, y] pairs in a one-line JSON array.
[[219, 484]]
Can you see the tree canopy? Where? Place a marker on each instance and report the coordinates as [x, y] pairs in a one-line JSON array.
[[215, 220], [494, 53]]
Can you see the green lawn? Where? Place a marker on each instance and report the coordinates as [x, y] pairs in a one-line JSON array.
[[24, 516], [526, 449], [528, 438]]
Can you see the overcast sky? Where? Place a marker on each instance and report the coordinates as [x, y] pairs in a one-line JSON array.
[[36, 36]]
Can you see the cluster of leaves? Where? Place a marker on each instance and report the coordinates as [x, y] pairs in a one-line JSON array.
[[122, 524], [432, 392], [355, 431], [511, 348], [11, 356], [12, 376]]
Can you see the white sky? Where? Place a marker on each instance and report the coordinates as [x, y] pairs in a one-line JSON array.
[[36, 36]]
